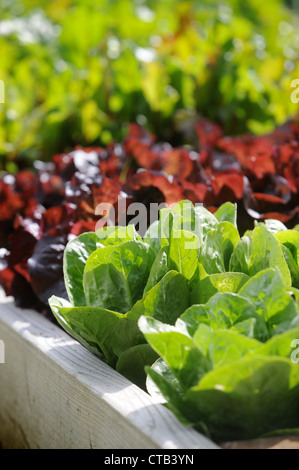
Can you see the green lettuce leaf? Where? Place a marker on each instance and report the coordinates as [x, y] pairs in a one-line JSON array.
[[227, 310], [247, 398], [75, 255], [271, 298], [219, 245], [115, 276], [227, 212], [245, 389], [91, 326], [258, 251], [179, 351], [209, 285]]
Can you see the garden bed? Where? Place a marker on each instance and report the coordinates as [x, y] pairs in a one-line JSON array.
[[56, 394]]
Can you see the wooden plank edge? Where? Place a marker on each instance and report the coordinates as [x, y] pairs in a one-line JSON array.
[[135, 418]]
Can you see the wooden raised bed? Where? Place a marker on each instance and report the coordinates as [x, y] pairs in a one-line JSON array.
[[57, 395]]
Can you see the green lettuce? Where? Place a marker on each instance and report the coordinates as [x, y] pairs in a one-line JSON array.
[[222, 382], [192, 268]]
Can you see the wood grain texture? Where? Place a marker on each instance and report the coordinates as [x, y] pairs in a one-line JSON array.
[[54, 394]]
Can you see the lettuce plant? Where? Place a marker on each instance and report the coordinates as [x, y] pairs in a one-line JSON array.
[[209, 314], [42, 208], [221, 379], [113, 277]]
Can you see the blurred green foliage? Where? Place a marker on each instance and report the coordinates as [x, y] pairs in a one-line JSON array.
[[77, 72]]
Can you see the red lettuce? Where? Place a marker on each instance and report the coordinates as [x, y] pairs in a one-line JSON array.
[[40, 210]]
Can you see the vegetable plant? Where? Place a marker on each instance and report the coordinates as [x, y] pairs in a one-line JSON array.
[[192, 299], [221, 379], [158, 63], [41, 210]]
